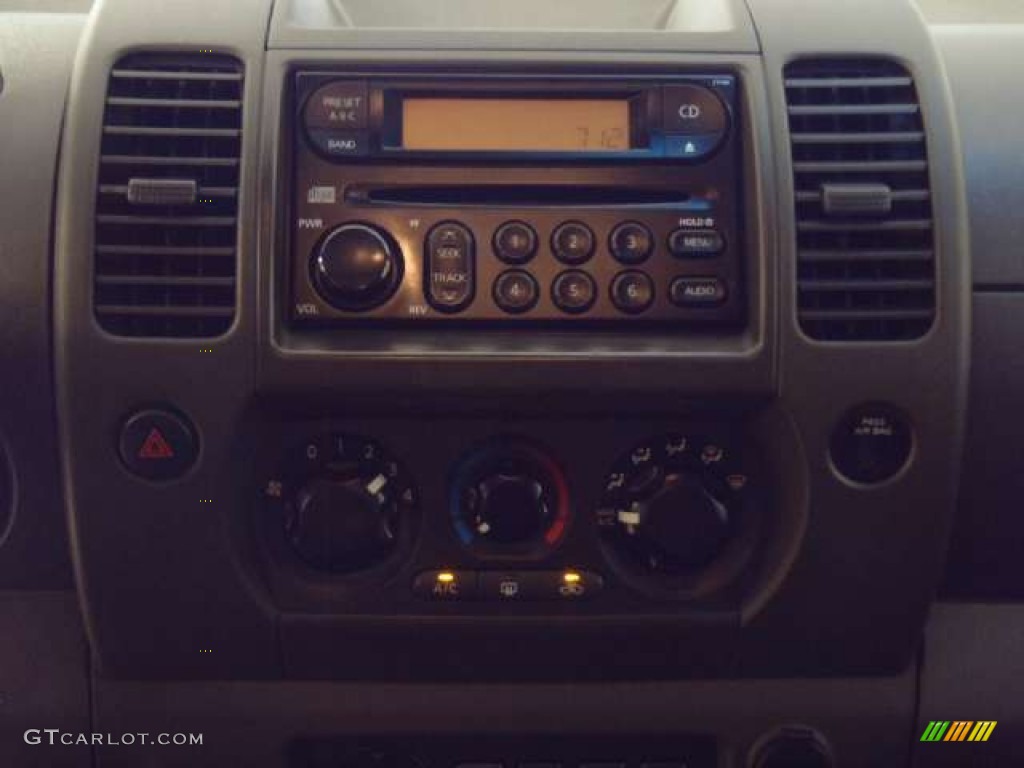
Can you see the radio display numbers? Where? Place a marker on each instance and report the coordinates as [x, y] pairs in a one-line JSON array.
[[516, 125]]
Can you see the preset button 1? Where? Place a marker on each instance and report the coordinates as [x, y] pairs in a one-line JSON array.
[[515, 242]]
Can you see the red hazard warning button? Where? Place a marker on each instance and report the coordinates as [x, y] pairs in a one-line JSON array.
[[157, 444]]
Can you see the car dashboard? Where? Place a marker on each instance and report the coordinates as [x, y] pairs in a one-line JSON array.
[[510, 385]]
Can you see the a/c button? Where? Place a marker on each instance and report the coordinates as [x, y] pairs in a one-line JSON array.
[[445, 585]]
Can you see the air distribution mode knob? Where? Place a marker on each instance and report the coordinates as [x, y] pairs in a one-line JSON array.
[[678, 515], [681, 524], [357, 267]]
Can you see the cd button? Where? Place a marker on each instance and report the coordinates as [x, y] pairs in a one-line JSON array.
[[693, 109], [574, 291], [515, 242], [697, 292], [573, 242], [515, 291], [695, 243], [632, 292], [631, 242], [341, 105], [340, 143]]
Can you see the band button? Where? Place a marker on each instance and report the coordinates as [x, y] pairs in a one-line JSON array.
[[340, 143]]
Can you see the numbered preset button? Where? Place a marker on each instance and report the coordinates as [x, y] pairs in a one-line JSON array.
[[573, 242], [632, 291], [515, 291], [574, 291], [515, 242], [631, 242]]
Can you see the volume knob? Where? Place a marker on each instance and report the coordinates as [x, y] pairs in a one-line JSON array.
[[357, 267]]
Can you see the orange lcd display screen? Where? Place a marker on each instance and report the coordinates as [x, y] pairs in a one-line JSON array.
[[515, 125]]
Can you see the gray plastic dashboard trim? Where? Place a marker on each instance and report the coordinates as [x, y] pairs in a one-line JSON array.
[[612, 26]]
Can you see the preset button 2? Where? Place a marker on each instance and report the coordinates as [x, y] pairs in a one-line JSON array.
[[573, 242]]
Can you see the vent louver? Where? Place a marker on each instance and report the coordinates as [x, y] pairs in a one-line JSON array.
[[167, 197], [866, 262]]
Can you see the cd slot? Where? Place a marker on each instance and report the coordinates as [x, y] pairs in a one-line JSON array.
[[523, 196]]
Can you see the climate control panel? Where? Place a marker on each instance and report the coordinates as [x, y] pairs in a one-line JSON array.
[[494, 520]]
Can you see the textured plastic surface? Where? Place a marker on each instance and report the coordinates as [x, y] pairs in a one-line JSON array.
[[867, 720], [36, 51], [980, 60], [973, 671], [483, 25], [856, 595], [988, 538], [43, 678]]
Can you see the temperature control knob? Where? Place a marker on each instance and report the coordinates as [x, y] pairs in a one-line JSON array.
[[357, 267], [509, 499]]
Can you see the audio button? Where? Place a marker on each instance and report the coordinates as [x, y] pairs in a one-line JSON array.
[[697, 292]]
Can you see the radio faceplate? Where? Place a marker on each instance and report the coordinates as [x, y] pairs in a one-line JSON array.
[[608, 236]]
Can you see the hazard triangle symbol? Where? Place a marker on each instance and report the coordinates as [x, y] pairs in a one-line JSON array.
[[156, 446]]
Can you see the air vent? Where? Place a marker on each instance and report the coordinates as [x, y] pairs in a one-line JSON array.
[[866, 260], [167, 199]]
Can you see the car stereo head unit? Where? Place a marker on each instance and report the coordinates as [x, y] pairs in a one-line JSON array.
[[571, 199]]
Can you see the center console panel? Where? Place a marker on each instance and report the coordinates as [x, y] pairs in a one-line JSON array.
[[499, 412]]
